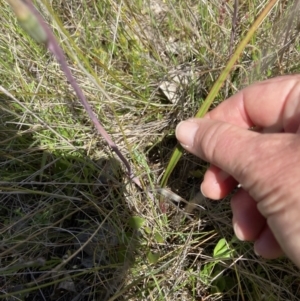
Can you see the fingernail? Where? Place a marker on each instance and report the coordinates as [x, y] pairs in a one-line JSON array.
[[258, 245], [185, 133], [202, 191], [255, 252], [238, 232]]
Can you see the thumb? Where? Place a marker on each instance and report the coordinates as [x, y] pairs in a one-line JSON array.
[[224, 145], [266, 166]]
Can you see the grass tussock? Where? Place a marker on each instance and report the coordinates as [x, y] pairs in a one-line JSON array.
[[72, 225]]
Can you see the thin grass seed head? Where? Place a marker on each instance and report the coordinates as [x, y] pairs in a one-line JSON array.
[[28, 21]]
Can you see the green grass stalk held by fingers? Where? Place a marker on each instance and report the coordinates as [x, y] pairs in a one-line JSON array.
[[178, 151]]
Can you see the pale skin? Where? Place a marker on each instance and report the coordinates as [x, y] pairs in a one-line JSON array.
[[266, 209]]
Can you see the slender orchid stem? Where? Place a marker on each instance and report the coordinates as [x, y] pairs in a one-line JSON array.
[[31, 20]]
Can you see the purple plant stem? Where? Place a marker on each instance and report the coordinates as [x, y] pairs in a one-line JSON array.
[[55, 49], [233, 26]]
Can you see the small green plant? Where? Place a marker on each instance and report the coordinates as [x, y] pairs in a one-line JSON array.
[[213, 273]]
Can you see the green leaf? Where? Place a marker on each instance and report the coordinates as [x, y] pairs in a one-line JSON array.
[[152, 257], [222, 249], [206, 272], [158, 238], [148, 230], [219, 285], [136, 222]]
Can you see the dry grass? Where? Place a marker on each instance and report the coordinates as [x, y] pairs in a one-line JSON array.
[[72, 226]]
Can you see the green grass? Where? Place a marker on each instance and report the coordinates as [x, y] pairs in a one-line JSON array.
[[72, 226]]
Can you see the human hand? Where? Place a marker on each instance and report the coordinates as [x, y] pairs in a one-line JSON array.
[[266, 209]]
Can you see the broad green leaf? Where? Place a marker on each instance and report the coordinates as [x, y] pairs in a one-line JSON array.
[[148, 230], [136, 222], [219, 285], [152, 257], [158, 237], [222, 249]]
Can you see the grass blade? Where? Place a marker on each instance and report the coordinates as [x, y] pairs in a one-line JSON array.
[[178, 151]]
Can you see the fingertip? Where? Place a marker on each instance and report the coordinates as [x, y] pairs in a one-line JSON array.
[[201, 189], [247, 221], [238, 231], [185, 133], [267, 246], [217, 183]]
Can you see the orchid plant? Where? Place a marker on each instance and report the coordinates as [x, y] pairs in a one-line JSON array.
[[33, 23]]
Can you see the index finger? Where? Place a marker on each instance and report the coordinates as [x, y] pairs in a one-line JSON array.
[[272, 104]]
